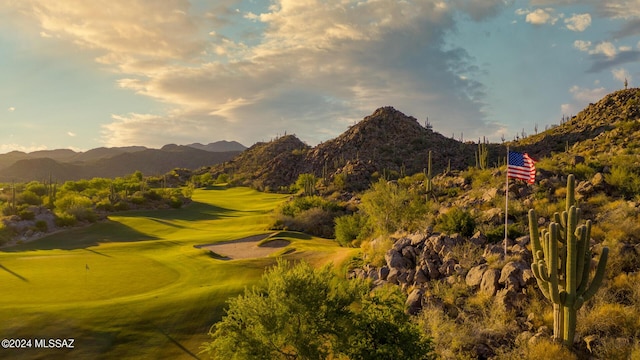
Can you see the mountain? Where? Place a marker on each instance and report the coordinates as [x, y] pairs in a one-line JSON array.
[[388, 142], [65, 165], [611, 124], [384, 142], [267, 164], [104, 153], [220, 146]]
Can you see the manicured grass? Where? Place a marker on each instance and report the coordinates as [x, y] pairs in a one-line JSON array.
[[135, 286]]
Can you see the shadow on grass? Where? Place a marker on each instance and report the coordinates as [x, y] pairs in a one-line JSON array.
[[14, 273], [195, 211], [292, 234], [82, 238]]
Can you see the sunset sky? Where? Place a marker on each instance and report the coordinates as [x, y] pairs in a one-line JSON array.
[[82, 74]]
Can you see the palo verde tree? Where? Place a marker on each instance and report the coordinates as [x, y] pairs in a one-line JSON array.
[[562, 263], [299, 312]]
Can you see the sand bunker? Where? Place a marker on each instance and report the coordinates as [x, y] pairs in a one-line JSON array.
[[246, 248]]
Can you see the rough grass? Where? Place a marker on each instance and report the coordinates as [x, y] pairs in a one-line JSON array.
[[135, 286]]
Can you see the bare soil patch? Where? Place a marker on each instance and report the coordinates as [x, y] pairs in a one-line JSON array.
[[245, 248]]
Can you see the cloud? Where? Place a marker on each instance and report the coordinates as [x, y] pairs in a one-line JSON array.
[[70, 133], [578, 22], [587, 95], [115, 30], [542, 16], [11, 109], [312, 67], [621, 74], [603, 63], [582, 45], [582, 96], [605, 48], [620, 9], [479, 10]]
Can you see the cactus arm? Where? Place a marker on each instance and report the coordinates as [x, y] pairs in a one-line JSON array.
[[542, 285], [553, 263], [571, 191], [533, 232], [599, 275], [581, 248]]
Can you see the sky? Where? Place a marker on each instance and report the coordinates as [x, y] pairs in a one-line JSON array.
[[84, 74]]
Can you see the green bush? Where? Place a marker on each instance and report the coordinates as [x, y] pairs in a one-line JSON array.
[[41, 226], [175, 202], [456, 221], [348, 228], [29, 197], [64, 220], [626, 181], [26, 214], [299, 312]]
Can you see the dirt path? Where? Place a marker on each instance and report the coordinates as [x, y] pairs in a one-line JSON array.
[[245, 248]]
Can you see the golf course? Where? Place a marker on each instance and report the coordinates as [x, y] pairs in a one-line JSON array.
[[145, 284]]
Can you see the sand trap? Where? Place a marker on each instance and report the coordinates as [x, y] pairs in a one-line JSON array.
[[246, 248]]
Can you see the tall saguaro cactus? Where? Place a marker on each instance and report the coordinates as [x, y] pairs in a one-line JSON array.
[[561, 264]]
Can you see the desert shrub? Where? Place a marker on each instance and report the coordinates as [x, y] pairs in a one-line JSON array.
[[298, 312], [451, 340], [137, 199], [300, 204], [37, 188], [6, 234], [64, 220], [608, 319], [623, 179], [541, 348], [121, 206], [496, 233], [41, 226], [349, 228], [75, 205], [175, 202], [307, 183], [456, 220], [374, 250], [153, 195], [222, 179], [391, 207], [30, 198], [583, 171], [26, 214]]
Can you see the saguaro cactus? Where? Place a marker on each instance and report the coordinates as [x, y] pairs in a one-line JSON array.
[[562, 262], [429, 175], [482, 156]]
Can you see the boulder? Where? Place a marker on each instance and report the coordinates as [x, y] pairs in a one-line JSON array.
[[474, 276], [395, 260], [489, 283], [511, 275], [414, 302], [383, 272]]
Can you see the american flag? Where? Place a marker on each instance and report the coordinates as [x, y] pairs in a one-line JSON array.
[[521, 166]]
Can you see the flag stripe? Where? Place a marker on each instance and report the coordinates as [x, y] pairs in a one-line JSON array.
[[521, 166]]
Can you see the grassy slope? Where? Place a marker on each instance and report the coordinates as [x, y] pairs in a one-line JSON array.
[[135, 286]]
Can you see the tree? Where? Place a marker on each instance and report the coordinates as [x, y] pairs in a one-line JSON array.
[[391, 207], [298, 312], [307, 182]]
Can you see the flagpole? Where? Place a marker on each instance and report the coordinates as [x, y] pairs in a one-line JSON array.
[[506, 207]]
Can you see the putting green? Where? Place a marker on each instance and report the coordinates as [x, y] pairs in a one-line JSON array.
[[135, 286]]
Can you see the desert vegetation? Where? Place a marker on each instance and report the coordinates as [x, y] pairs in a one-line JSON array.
[[421, 267]]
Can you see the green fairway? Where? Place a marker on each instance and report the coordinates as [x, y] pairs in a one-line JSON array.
[[135, 285]]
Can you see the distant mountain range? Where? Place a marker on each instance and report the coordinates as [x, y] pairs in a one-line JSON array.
[[65, 164]]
